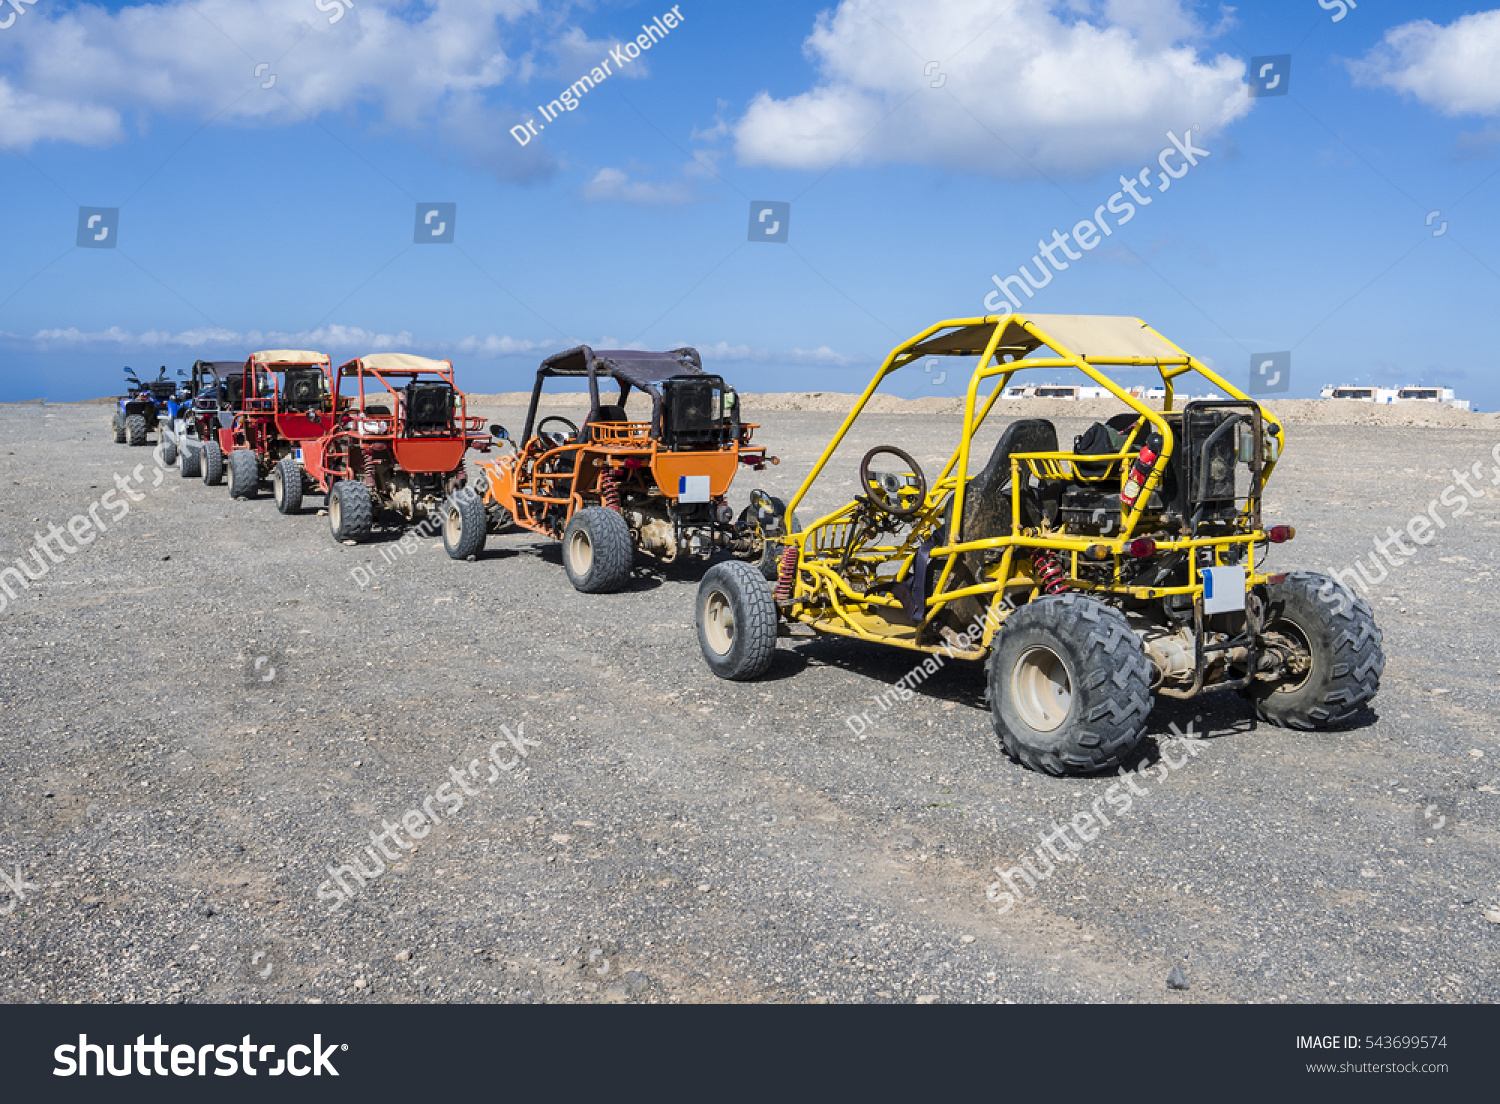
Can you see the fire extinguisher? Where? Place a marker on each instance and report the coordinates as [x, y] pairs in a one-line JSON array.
[[1140, 470]]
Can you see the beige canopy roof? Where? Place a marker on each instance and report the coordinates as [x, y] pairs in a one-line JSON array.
[[1097, 336], [288, 356], [1102, 336], [404, 362]]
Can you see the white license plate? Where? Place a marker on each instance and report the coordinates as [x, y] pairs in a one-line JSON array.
[[694, 488], [1223, 589]]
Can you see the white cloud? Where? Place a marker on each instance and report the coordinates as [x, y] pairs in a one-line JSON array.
[[84, 75], [351, 340], [1452, 68], [1070, 87], [615, 185]]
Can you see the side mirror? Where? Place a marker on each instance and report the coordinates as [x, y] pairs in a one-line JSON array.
[[498, 432]]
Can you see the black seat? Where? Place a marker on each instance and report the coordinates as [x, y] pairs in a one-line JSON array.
[[987, 497]]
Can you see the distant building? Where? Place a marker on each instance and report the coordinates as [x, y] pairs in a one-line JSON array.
[[1443, 395]]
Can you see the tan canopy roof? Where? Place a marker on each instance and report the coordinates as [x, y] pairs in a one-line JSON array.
[[404, 362], [288, 356], [1102, 336]]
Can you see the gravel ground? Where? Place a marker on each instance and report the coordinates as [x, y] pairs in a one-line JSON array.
[[204, 711]]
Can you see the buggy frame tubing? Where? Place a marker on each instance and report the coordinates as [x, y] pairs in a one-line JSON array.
[[827, 580]]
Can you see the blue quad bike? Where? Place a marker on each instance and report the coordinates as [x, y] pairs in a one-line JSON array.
[[141, 409]]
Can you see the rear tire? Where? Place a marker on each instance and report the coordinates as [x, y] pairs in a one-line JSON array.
[[286, 482], [351, 514], [190, 461], [736, 618], [117, 423], [168, 449], [769, 560], [135, 429], [1070, 686], [213, 464], [464, 525], [244, 474], [1344, 644], [597, 550]]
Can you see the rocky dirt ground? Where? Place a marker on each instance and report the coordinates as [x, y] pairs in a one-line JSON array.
[[203, 710]]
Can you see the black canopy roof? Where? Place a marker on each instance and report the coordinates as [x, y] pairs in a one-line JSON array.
[[633, 366]]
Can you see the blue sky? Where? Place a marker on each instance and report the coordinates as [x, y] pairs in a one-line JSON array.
[[254, 217]]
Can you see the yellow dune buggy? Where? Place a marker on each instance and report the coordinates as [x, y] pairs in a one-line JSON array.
[[1088, 580]]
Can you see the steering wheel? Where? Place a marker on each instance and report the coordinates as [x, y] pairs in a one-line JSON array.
[[901, 493], [556, 439]]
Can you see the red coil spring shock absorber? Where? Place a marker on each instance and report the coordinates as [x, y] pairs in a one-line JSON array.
[[369, 457], [1049, 572], [786, 578], [609, 489]]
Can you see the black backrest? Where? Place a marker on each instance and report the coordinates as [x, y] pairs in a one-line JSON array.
[[302, 389], [987, 498], [690, 411], [429, 408]]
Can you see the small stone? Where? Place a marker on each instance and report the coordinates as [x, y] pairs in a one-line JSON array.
[[361, 983], [1475, 753], [705, 889], [904, 843], [927, 998], [1492, 915], [403, 956], [1177, 979], [966, 939]]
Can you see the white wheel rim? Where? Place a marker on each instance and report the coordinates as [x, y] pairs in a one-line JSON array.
[[280, 486], [335, 514], [580, 552], [453, 525], [1041, 689], [718, 622]]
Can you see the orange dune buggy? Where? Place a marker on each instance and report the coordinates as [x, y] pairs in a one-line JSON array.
[[403, 432], [656, 481]]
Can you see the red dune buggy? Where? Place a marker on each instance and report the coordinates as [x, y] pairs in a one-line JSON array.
[[402, 434], [286, 403], [203, 429]]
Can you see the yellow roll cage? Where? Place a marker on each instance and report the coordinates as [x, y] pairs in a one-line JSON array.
[[823, 598]]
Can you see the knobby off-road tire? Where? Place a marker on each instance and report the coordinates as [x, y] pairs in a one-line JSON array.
[[135, 429], [244, 474], [465, 525], [597, 551], [168, 449], [1344, 643], [213, 464], [286, 482], [1070, 686], [769, 560], [189, 460], [736, 616], [351, 514], [117, 423]]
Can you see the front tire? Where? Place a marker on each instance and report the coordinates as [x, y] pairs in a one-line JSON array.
[[117, 423], [135, 429], [1336, 632], [286, 482], [464, 525], [244, 474], [736, 617], [351, 513], [1070, 686], [597, 550], [168, 449], [189, 461], [213, 464]]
